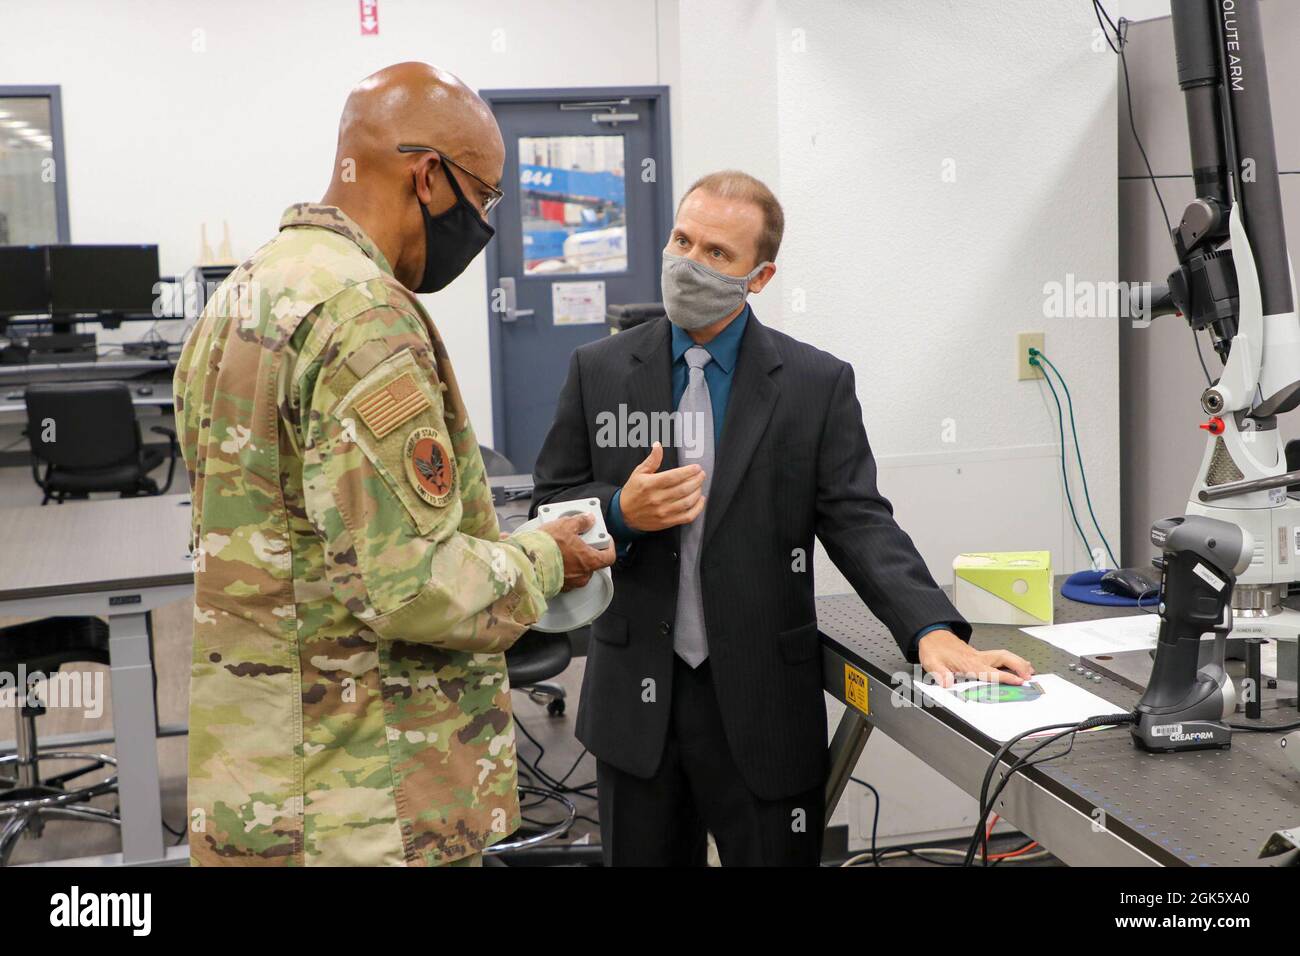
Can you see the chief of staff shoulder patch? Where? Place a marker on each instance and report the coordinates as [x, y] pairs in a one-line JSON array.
[[430, 467], [388, 406]]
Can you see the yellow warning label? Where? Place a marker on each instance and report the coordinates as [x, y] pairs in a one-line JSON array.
[[855, 688]]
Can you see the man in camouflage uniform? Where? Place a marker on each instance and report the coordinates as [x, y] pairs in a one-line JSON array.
[[349, 702]]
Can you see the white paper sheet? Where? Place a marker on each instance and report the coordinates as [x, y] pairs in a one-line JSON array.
[[995, 710], [1110, 635], [578, 303]]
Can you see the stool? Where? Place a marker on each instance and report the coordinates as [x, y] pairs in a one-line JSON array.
[[533, 660], [27, 800]]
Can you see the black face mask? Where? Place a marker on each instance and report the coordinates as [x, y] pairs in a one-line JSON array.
[[451, 239]]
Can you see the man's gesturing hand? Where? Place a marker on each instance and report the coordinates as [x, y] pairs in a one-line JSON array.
[[947, 656], [580, 558], [653, 500]]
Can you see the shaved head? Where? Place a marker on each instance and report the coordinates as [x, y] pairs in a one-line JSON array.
[[412, 104]]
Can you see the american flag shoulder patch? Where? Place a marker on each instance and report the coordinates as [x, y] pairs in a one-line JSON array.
[[390, 405]]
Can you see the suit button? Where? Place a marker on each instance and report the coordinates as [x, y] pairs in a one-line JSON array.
[[673, 555], [665, 628]]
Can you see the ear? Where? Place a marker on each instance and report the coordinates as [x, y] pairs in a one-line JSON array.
[[425, 170], [763, 278]]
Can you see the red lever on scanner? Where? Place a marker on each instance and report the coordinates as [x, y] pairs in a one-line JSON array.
[[1214, 426]]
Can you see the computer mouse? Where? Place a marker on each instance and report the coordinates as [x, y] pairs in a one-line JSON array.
[[1129, 582]]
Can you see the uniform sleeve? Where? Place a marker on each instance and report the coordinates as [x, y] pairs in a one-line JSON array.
[[383, 489]]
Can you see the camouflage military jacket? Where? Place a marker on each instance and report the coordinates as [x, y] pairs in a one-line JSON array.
[[348, 695]]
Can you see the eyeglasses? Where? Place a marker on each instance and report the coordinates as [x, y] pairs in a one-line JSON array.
[[494, 194]]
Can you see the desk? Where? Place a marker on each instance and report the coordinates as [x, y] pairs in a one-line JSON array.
[[1106, 803], [161, 399], [136, 372], [117, 559], [83, 370]]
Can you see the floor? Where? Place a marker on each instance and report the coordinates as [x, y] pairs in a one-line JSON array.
[[553, 750]]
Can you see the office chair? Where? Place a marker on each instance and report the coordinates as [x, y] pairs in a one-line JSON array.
[[27, 800], [87, 437], [533, 660], [495, 463]]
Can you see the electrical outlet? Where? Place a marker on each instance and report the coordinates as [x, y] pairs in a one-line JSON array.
[[1024, 342]]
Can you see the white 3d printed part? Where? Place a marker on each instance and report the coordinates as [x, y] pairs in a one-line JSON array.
[[577, 608]]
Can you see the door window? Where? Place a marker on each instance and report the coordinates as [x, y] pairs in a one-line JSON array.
[[28, 202], [573, 210]]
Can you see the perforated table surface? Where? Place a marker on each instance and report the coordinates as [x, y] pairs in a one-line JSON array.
[[1105, 802]]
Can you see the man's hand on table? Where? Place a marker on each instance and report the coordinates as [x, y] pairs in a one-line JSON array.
[[948, 657]]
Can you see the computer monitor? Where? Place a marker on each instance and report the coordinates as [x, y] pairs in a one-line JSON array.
[[23, 289], [117, 279]]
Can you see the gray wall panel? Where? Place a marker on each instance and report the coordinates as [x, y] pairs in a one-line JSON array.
[[1160, 379]]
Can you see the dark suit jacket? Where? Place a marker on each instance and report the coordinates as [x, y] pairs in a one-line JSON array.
[[793, 462]]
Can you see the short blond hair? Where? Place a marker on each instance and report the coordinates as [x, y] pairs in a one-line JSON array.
[[733, 184]]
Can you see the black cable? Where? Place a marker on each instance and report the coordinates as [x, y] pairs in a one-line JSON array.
[[1261, 729], [926, 859], [178, 834], [544, 777], [986, 806], [1100, 11], [980, 838], [1152, 609], [875, 818], [1196, 341], [1121, 38], [565, 778], [1023, 764]]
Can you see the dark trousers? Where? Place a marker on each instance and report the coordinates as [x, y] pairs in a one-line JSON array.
[[662, 821]]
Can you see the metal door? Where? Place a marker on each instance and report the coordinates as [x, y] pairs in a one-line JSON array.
[[587, 211]]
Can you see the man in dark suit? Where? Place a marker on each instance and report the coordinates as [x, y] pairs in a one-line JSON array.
[[702, 699]]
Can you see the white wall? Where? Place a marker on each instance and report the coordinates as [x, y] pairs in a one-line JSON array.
[[922, 283], [1137, 9], [179, 112]]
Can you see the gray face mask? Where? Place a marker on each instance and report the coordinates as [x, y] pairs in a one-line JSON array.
[[696, 296]]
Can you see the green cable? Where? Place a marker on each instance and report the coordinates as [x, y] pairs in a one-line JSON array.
[[1065, 476], [1078, 454]]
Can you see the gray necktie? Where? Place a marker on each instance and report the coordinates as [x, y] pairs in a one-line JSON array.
[[696, 411]]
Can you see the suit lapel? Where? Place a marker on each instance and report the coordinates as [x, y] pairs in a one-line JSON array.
[[753, 396], [650, 384]]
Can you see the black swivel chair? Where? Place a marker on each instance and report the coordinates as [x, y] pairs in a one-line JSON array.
[[27, 799], [496, 464], [87, 437]]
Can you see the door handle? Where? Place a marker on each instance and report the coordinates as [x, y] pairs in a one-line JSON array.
[[510, 313]]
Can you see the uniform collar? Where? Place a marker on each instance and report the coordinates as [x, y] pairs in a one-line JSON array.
[[724, 347], [335, 220]]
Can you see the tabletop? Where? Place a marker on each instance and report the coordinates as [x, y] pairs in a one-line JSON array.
[[99, 545]]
